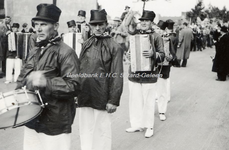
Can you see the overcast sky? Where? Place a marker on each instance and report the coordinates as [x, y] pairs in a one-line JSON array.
[[172, 8]]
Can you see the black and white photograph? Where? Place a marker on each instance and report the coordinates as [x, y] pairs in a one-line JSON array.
[[114, 74]]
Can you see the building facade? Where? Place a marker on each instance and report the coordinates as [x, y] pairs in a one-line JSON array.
[[22, 11]]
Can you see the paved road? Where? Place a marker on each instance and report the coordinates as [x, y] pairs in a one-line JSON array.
[[197, 116]]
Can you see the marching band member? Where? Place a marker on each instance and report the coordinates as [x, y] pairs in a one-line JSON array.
[[72, 26], [163, 83], [82, 26], [13, 62], [142, 85], [101, 59], [47, 69]]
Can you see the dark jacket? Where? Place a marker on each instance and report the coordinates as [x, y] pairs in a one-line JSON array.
[[157, 46], [101, 68], [58, 61], [164, 69], [221, 60]]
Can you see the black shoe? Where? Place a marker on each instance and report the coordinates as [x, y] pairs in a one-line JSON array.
[[219, 80]]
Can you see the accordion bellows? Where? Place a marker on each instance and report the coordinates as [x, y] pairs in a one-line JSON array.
[[19, 42], [139, 43]]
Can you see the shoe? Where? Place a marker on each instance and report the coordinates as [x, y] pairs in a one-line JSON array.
[[219, 80], [162, 116], [132, 130], [149, 132], [7, 82]]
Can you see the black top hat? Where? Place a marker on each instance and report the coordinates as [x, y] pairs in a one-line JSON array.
[[224, 29], [15, 25], [98, 16], [82, 13], [170, 24], [162, 25], [71, 23], [127, 7], [148, 15], [47, 12]]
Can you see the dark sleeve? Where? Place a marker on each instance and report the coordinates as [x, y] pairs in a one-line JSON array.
[[66, 85], [116, 82], [159, 48], [172, 48]]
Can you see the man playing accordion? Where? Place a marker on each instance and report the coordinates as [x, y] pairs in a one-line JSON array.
[[142, 80]]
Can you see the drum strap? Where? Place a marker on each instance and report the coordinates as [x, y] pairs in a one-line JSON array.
[[16, 116]]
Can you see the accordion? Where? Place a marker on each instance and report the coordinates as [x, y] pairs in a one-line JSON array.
[[19, 42], [139, 43], [74, 41]]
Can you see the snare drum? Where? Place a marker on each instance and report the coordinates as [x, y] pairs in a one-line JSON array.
[[19, 107]]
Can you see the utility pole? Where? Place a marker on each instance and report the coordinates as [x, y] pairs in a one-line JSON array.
[[54, 2]]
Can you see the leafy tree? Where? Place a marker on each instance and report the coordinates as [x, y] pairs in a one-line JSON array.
[[195, 12]]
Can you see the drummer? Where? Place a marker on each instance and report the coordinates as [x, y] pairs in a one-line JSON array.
[[48, 69]]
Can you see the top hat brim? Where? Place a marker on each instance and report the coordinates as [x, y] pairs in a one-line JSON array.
[[117, 20], [44, 19], [144, 18], [96, 21]]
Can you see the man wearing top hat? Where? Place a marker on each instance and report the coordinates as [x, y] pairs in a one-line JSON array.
[[101, 62], [48, 69], [163, 83], [14, 59], [72, 26], [173, 39], [142, 83], [82, 26]]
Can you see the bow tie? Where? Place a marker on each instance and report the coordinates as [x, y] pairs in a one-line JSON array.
[[44, 43]]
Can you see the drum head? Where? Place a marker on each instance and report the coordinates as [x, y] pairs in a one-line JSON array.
[[18, 108], [24, 115]]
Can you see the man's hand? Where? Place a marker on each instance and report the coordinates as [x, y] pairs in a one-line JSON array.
[[147, 53], [111, 108], [8, 32], [169, 58], [37, 79]]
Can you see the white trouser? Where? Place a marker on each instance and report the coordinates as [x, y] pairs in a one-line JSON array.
[[13, 63], [163, 94], [95, 129], [41, 141], [142, 104]]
